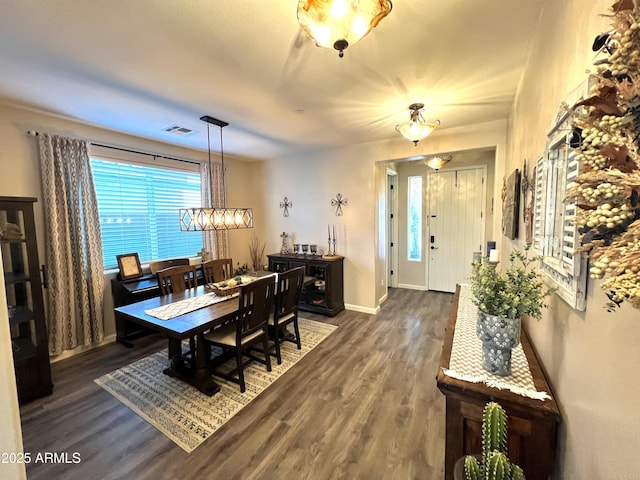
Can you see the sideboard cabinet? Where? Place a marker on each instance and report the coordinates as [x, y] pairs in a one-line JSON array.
[[25, 300], [323, 292], [532, 423]]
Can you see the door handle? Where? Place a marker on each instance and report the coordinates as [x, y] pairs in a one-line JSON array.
[[433, 248]]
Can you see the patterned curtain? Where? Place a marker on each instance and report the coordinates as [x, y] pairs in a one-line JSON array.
[[73, 244], [214, 241]]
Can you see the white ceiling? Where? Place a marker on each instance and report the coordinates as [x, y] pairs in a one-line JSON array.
[[138, 66]]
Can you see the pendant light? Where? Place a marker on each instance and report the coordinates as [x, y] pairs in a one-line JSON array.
[[438, 162], [417, 128], [340, 23], [215, 218]]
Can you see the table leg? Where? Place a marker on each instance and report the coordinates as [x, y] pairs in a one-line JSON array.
[[203, 380]]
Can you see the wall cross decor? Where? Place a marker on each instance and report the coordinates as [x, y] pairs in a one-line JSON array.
[[286, 204], [339, 202]]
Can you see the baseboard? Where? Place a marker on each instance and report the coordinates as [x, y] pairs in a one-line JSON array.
[[383, 298], [359, 308], [83, 348], [412, 287]]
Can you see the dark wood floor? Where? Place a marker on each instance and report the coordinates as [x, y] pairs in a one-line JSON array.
[[362, 405]]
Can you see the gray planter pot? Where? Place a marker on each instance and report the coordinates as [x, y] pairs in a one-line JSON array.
[[498, 335]]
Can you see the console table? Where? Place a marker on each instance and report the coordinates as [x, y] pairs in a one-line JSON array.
[[532, 422], [325, 293]]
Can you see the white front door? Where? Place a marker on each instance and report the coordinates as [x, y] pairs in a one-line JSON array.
[[456, 225]]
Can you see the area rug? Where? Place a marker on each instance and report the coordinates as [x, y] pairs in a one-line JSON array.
[[184, 414]]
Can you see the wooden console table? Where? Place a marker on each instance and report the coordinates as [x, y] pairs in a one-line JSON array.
[[532, 423]]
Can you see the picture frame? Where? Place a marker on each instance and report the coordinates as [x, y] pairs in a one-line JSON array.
[[129, 265], [511, 205]]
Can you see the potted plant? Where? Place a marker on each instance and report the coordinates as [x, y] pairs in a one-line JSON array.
[[494, 464], [503, 298]]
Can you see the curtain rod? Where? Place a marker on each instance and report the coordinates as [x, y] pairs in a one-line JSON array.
[[34, 133]]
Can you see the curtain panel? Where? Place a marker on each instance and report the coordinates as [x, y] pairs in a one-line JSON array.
[[73, 244], [213, 241]]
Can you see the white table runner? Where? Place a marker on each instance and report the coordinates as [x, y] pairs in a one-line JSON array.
[[172, 310], [466, 356]]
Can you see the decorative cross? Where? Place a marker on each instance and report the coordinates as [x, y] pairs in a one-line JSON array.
[[339, 202], [286, 204]]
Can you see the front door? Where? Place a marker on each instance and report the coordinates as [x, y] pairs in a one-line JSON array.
[[456, 225]]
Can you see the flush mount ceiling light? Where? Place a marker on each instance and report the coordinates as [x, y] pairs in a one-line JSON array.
[[340, 23], [417, 128], [215, 218], [438, 162]]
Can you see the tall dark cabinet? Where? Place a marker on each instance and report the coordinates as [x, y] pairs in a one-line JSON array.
[[324, 289], [25, 298]]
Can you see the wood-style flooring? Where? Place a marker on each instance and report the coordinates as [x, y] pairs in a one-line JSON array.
[[362, 405]]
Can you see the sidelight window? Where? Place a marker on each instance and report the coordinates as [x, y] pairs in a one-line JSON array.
[[414, 218]]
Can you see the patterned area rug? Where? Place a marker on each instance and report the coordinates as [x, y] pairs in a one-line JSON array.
[[187, 416]]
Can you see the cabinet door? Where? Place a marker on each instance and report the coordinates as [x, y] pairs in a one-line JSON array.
[[24, 299]]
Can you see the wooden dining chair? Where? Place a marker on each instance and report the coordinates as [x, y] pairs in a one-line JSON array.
[[285, 312], [177, 279], [246, 330], [155, 266], [215, 271]]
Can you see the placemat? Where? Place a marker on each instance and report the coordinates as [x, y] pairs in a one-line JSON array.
[[466, 355]]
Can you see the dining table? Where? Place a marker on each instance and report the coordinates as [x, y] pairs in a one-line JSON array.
[[195, 312]]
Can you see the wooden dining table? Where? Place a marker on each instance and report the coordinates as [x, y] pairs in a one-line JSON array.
[[188, 325]]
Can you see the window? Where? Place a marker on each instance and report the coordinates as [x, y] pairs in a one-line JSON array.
[[414, 219], [138, 207], [556, 235]]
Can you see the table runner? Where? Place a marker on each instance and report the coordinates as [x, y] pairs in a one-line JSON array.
[[172, 310], [466, 355]]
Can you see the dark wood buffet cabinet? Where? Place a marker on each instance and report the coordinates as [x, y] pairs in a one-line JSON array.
[[325, 294], [532, 424], [25, 299]]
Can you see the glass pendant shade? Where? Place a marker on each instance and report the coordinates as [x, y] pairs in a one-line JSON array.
[[215, 218], [199, 219], [340, 23], [437, 162], [417, 128]]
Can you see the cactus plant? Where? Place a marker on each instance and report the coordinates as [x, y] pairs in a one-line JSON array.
[[495, 463]]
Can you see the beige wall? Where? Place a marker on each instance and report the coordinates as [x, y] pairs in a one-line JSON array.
[[592, 358], [11, 438]]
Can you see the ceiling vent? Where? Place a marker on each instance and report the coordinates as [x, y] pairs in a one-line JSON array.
[[179, 130]]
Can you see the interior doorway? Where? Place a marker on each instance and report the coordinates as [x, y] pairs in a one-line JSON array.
[[456, 203]]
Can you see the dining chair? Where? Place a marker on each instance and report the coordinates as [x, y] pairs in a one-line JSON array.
[[155, 266], [247, 329], [215, 271], [177, 279], [288, 290]]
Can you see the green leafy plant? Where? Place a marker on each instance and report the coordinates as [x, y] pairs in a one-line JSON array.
[[495, 463], [519, 290]]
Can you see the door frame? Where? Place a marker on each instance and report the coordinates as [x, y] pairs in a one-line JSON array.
[[391, 260]]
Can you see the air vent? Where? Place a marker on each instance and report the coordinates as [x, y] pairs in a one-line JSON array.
[[178, 130]]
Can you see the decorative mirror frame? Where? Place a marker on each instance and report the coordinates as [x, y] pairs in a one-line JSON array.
[[555, 233]]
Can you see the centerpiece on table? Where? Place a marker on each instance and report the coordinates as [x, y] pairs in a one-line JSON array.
[[503, 298]]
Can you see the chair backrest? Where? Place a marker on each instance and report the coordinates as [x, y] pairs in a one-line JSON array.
[[217, 270], [288, 292], [256, 301], [162, 264], [176, 279]]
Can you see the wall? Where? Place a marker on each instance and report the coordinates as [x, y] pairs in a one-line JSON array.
[[591, 358], [11, 438]]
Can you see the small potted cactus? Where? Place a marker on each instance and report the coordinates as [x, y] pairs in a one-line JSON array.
[[495, 464]]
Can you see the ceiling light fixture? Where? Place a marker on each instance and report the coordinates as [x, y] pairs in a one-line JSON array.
[[210, 218], [438, 162], [340, 23], [417, 128]]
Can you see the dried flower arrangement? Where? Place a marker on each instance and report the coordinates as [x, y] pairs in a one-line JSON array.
[[606, 136], [256, 252]]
